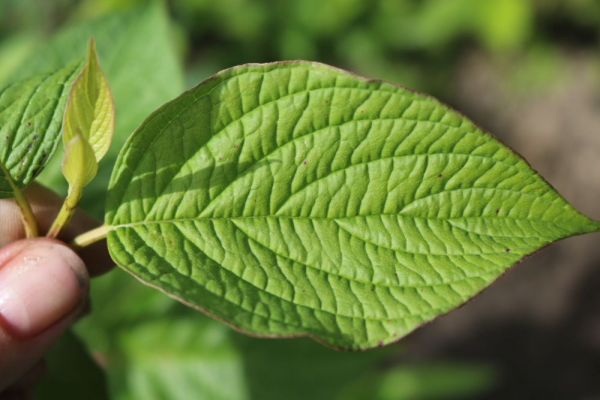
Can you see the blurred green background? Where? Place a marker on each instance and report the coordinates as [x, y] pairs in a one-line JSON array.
[[527, 70]]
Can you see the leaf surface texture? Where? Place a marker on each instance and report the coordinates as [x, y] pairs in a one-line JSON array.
[[298, 199], [31, 112], [90, 111]]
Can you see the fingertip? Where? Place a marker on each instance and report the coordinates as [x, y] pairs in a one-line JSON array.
[[46, 205], [40, 285]]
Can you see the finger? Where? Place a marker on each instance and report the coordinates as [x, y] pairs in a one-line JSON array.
[[45, 205], [43, 285]]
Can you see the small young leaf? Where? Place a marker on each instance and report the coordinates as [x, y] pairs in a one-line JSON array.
[[298, 199], [30, 118], [88, 127], [143, 69], [90, 109], [79, 164]]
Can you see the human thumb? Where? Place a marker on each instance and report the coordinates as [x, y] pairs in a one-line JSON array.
[[43, 285]]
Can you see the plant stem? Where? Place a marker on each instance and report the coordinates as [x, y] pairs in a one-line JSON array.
[[66, 212], [31, 229], [90, 237]]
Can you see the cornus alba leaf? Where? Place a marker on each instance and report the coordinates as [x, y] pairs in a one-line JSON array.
[[90, 109], [88, 126], [30, 112], [297, 199], [30, 117]]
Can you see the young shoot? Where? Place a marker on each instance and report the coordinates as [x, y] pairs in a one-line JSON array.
[[88, 126]]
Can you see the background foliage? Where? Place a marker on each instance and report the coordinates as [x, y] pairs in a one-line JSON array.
[[526, 69]]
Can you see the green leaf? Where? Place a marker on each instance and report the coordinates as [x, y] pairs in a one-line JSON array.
[[70, 373], [195, 356], [196, 361], [432, 381], [13, 51], [298, 199], [90, 111], [30, 120], [79, 165], [302, 369], [138, 59]]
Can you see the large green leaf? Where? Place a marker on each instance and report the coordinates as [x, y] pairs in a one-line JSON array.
[[140, 65], [13, 51], [30, 120], [298, 199]]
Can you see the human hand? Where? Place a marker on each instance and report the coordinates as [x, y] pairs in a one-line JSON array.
[[43, 287]]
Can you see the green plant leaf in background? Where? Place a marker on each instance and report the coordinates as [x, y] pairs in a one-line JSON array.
[[214, 372], [13, 51], [418, 381], [192, 353], [135, 49], [298, 199], [302, 369], [30, 120], [134, 318]]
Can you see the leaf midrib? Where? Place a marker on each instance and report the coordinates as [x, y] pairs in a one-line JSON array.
[[200, 219], [399, 213]]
